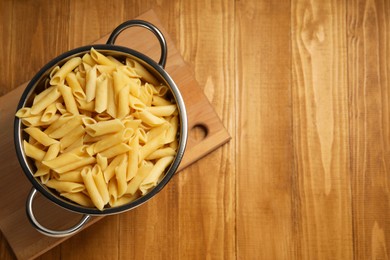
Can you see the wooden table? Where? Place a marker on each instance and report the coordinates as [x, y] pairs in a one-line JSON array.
[[304, 89]]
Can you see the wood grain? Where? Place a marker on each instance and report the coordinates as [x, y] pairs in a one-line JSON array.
[[302, 86], [369, 93], [264, 142], [321, 138]]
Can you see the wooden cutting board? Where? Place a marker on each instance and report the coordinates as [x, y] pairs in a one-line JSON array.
[[206, 134]]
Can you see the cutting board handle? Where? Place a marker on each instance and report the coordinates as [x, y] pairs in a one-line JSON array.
[[47, 231], [150, 27]]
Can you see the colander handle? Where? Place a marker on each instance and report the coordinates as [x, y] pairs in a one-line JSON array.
[[146, 25], [47, 231]]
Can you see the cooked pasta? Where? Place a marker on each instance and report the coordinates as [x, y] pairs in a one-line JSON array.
[[103, 131]]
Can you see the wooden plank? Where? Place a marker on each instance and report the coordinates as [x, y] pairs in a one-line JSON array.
[[199, 111], [322, 195], [207, 190], [369, 91], [264, 149]]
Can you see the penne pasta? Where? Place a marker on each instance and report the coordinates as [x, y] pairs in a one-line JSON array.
[[154, 175], [100, 183], [91, 188], [103, 132], [104, 127], [75, 85], [33, 151], [60, 75], [101, 93], [142, 173], [43, 103], [65, 186], [90, 87], [120, 174], [40, 136], [79, 198], [69, 99]]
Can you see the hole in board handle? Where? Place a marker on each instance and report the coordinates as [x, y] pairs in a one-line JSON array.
[[199, 132]]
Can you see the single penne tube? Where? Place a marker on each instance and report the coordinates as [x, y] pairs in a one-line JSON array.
[[40, 136], [132, 165], [23, 112], [104, 127], [33, 152], [65, 186], [50, 98], [142, 71], [90, 87], [167, 110], [82, 161], [113, 192], [75, 85], [49, 113], [160, 101], [79, 198], [109, 172], [60, 75], [142, 173], [155, 174], [52, 152], [124, 200], [91, 188], [66, 128], [70, 102], [100, 183], [72, 176], [149, 118], [120, 175], [101, 93], [115, 150], [136, 103], [111, 102], [100, 58], [123, 108], [160, 153], [36, 121]]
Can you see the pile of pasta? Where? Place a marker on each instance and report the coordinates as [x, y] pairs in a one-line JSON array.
[[103, 131]]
